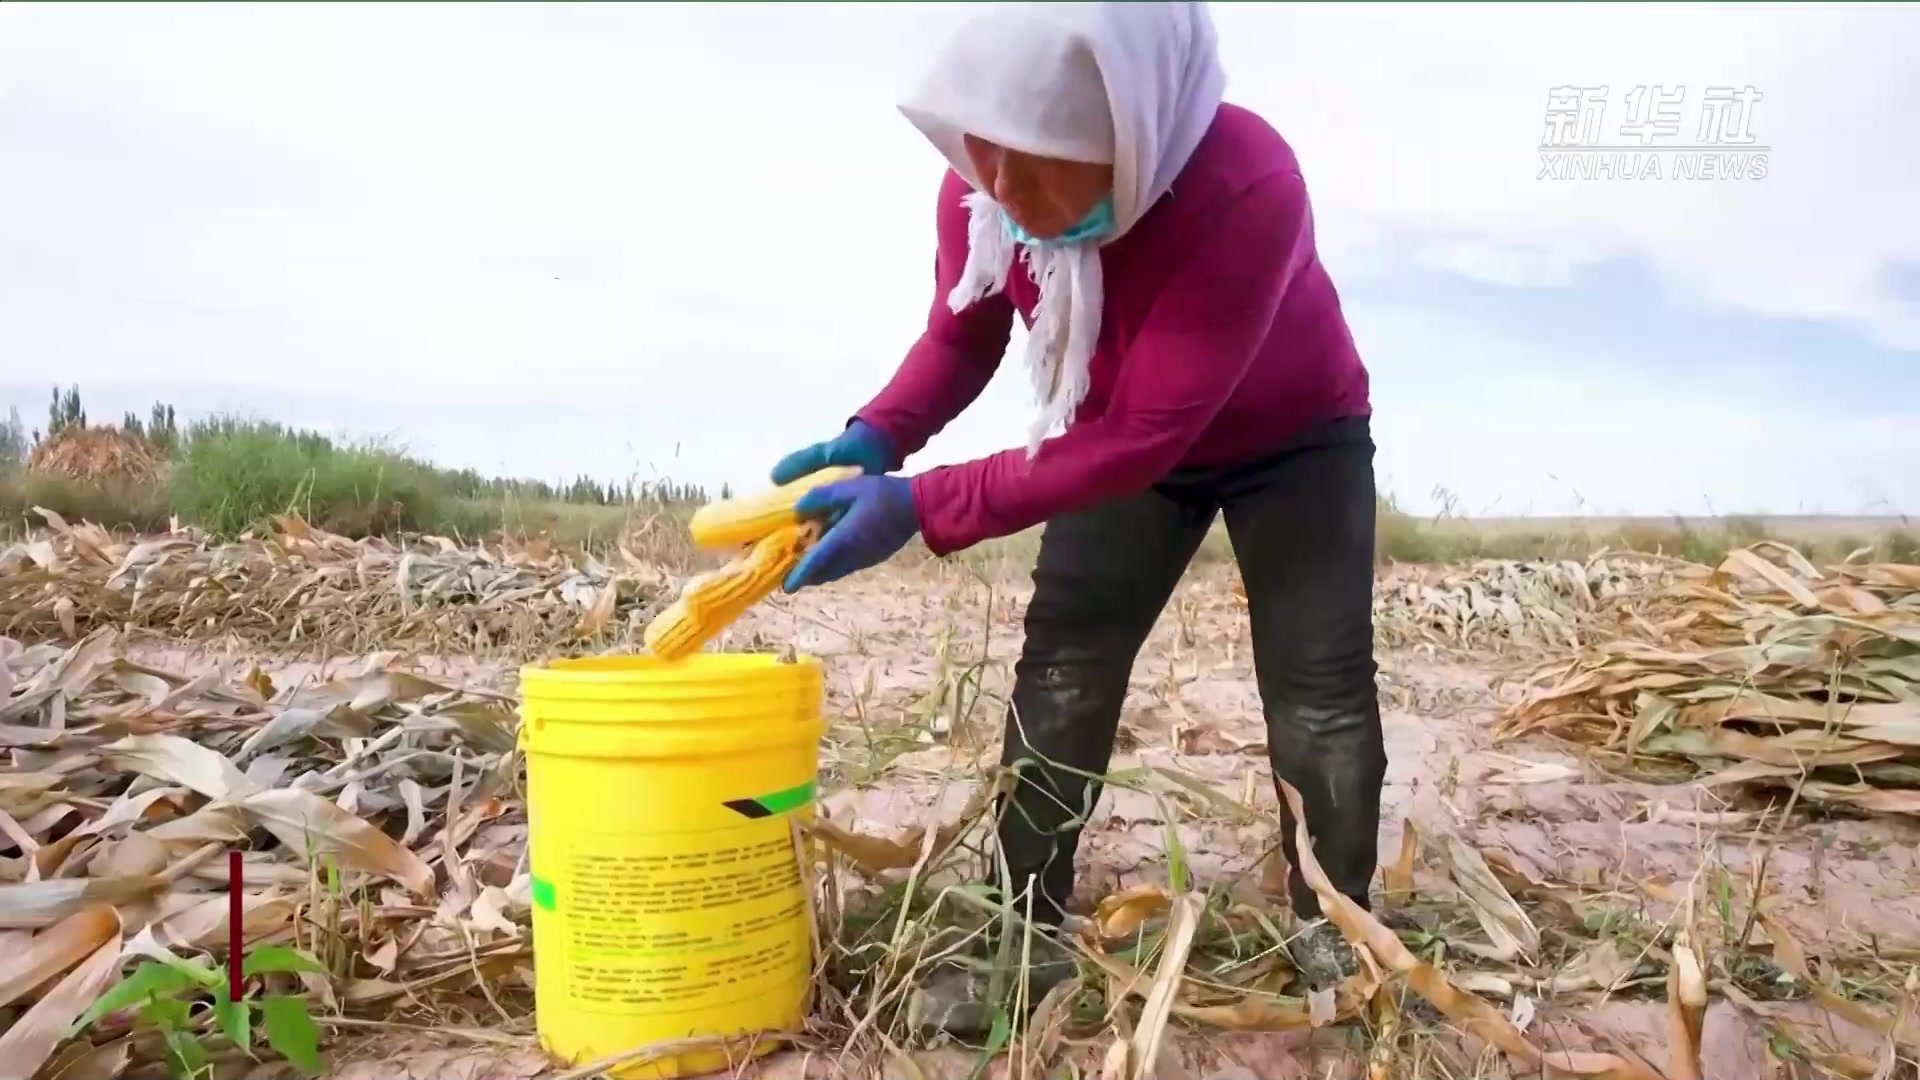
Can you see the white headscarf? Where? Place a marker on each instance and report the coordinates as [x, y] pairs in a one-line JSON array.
[[1134, 85]]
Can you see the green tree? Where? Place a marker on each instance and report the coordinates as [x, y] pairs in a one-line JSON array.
[[13, 443], [65, 411], [162, 431]]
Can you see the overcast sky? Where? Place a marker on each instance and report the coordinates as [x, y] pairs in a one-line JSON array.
[[651, 239]]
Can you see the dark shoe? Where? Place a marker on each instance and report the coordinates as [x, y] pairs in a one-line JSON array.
[[1322, 956], [958, 1001]]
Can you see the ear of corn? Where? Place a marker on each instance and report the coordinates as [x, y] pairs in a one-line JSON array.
[[733, 522], [710, 602]]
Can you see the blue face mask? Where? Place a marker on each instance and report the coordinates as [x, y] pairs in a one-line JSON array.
[[1098, 222]]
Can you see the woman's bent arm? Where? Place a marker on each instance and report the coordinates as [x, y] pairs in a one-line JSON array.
[[1202, 333]]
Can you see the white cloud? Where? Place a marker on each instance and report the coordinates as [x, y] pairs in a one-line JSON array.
[[1512, 264], [1594, 431], [664, 219], [1426, 118]]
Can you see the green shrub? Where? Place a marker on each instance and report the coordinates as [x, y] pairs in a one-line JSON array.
[[234, 474]]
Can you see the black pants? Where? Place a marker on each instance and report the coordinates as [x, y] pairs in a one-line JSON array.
[[1302, 526]]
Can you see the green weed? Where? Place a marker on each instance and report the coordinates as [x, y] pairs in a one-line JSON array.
[[187, 1004]]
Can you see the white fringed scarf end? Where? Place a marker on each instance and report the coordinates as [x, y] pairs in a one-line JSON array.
[[1066, 319]]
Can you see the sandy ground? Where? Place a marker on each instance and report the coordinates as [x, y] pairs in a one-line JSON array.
[[897, 644]]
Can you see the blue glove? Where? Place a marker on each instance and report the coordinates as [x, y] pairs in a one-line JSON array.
[[861, 445], [868, 519]]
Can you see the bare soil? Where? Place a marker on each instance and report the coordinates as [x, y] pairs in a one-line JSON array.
[[904, 649]]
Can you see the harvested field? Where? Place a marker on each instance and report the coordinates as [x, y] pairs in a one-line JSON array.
[[306, 591], [1548, 900]]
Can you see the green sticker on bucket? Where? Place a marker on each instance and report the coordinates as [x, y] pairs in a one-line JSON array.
[[778, 802], [543, 897]]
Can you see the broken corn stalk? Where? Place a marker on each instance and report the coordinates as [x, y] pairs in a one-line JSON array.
[[733, 522], [711, 601]]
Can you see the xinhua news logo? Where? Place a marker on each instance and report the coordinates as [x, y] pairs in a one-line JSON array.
[[1652, 133]]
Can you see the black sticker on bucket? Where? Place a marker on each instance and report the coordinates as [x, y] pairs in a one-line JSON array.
[[778, 802]]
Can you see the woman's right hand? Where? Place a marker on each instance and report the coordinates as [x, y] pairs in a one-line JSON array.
[[860, 445]]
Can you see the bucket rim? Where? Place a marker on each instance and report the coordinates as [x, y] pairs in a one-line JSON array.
[[630, 668]]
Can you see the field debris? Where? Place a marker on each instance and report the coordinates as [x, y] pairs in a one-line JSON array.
[[299, 589], [1763, 671], [380, 815], [1497, 605], [1485, 946], [377, 813], [98, 455]]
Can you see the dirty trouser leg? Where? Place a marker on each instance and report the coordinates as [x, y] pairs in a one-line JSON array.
[[1302, 526], [1102, 577]]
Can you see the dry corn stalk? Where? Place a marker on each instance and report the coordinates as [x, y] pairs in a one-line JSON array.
[[386, 837], [1764, 671], [302, 589], [1500, 604]]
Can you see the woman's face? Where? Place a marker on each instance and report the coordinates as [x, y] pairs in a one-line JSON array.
[[1045, 196]]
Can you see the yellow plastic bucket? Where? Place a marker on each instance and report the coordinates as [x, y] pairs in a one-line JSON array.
[[668, 902]]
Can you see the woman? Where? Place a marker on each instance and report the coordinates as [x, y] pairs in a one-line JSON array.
[[1184, 332]]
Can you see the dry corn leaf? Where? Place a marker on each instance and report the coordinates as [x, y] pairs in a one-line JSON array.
[[199, 922], [55, 950], [1505, 922], [1121, 913], [1397, 880], [1252, 1012], [1047, 1028], [1116, 1063], [1598, 967], [100, 813], [876, 854], [128, 810], [132, 856], [1481, 1018], [1515, 771], [1687, 1009], [309, 590], [80, 1061], [35, 904], [1183, 919], [1755, 673], [1747, 562], [1273, 873], [305, 823], [1793, 960], [174, 760], [32, 1039]]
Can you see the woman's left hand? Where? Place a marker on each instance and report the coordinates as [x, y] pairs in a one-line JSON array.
[[868, 519]]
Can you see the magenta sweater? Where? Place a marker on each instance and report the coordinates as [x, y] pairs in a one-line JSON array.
[[1221, 337]]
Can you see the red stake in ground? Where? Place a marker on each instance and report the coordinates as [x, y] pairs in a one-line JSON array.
[[235, 920]]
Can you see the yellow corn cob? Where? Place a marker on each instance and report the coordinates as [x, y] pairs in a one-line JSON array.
[[733, 522], [710, 602]]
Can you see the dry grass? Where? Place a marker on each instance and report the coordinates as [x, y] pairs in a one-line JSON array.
[[300, 589], [378, 812], [1501, 605], [347, 497], [1763, 670], [382, 816], [101, 456], [1462, 953]]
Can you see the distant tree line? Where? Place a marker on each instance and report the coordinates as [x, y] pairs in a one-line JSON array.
[[584, 490], [161, 430]]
